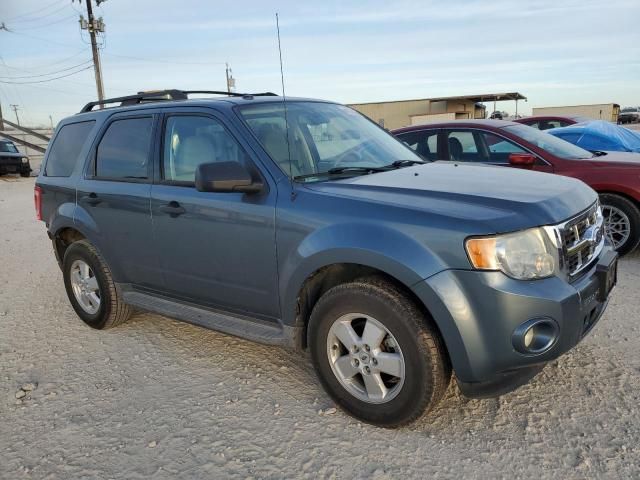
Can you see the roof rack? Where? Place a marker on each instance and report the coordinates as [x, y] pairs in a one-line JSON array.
[[165, 95]]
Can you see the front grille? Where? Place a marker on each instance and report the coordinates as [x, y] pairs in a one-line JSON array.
[[582, 240]]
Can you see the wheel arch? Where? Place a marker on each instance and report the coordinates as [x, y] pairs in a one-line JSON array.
[[329, 276]]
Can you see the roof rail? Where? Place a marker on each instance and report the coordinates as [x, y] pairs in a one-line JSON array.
[[165, 95]]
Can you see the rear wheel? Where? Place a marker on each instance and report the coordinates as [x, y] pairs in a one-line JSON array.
[[621, 222], [90, 288], [377, 355]]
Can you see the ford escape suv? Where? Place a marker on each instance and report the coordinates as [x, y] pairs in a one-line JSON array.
[[301, 223]]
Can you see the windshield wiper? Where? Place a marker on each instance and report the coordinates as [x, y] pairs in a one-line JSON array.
[[405, 163], [343, 170], [598, 153], [362, 170]]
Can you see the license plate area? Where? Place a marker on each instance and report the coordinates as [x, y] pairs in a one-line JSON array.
[[607, 274]]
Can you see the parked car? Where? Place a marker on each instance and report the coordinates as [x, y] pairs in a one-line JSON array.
[[548, 122], [12, 161], [599, 136], [304, 224], [615, 176], [629, 115]]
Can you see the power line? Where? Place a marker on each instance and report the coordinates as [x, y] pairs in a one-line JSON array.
[[49, 73], [108, 54], [36, 27], [57, 2], [49, 79]]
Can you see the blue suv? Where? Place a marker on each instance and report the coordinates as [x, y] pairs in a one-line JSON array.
[[301, 223]]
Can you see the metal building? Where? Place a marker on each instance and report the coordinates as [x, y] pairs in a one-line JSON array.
[[396, 114]]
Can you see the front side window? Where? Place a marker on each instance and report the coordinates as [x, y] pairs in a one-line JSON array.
[[66, 148], [123, 152], [498, 148], [192, 140], [321, 137]]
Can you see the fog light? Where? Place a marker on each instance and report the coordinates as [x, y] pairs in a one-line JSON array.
[[535, 336]]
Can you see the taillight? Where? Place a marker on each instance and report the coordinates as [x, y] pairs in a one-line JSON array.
[[37, 198]]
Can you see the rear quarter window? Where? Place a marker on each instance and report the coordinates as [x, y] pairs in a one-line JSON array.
[[66, 148]]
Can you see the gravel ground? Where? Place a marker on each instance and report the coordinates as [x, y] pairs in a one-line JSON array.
[[156, 397]]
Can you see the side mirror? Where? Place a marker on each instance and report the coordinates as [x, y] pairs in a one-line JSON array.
[[522, 160], [225, 177]]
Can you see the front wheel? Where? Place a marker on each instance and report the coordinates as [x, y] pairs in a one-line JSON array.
[[621, 222], [376, 354]]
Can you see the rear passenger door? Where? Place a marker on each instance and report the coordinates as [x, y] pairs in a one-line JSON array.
[[216, 249], [114, 196]]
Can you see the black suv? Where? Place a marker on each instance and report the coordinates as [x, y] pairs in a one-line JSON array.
[[12, 161]]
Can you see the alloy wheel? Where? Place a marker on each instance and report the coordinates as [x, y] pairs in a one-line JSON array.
[[365, 358], [617, 225], [85, 286]]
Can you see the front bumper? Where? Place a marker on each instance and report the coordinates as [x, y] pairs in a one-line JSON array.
[[477, 313], [14, 166]]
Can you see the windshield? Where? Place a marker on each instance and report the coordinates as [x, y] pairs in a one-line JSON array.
[[548, 142], [8, 147], [322, 137]]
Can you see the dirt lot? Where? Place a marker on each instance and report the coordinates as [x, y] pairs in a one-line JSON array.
[[160, 398]]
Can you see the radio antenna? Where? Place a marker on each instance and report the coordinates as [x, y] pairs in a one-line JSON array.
[[284, 105]]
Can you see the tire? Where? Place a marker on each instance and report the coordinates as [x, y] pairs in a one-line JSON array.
[[618, 207], [109, 310], [25, 174], [426, 370]]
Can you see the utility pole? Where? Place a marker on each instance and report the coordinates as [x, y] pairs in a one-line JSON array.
[[15, 110], [51, 122], [231, 82], [1, 121], [93, 26]]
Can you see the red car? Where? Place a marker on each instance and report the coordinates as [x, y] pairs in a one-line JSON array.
[[546, 122], [614, 175]]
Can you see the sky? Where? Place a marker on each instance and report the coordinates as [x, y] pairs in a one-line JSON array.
[[560, 52]]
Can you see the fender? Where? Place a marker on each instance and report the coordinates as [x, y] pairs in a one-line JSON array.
[[371, 245], [61, 217], [77, 218], [617, 189]]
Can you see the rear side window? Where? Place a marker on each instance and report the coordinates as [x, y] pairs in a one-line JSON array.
[[66, 148], [424, 143], [123, 152]]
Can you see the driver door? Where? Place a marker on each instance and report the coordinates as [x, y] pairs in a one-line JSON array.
[[216, 249]]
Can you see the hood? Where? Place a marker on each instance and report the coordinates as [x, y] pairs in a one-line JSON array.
[[626, 159], [501, 199], [12, 155]]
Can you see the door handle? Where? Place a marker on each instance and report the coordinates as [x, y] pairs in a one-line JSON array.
[[173, 208], [91, 199]]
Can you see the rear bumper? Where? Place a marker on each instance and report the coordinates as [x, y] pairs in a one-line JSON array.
[[478, 312]]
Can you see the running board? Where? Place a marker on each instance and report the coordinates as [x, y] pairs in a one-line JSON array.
[[240, 326]]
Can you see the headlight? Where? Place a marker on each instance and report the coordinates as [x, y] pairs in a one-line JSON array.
[[25, 160], [526, 255]]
